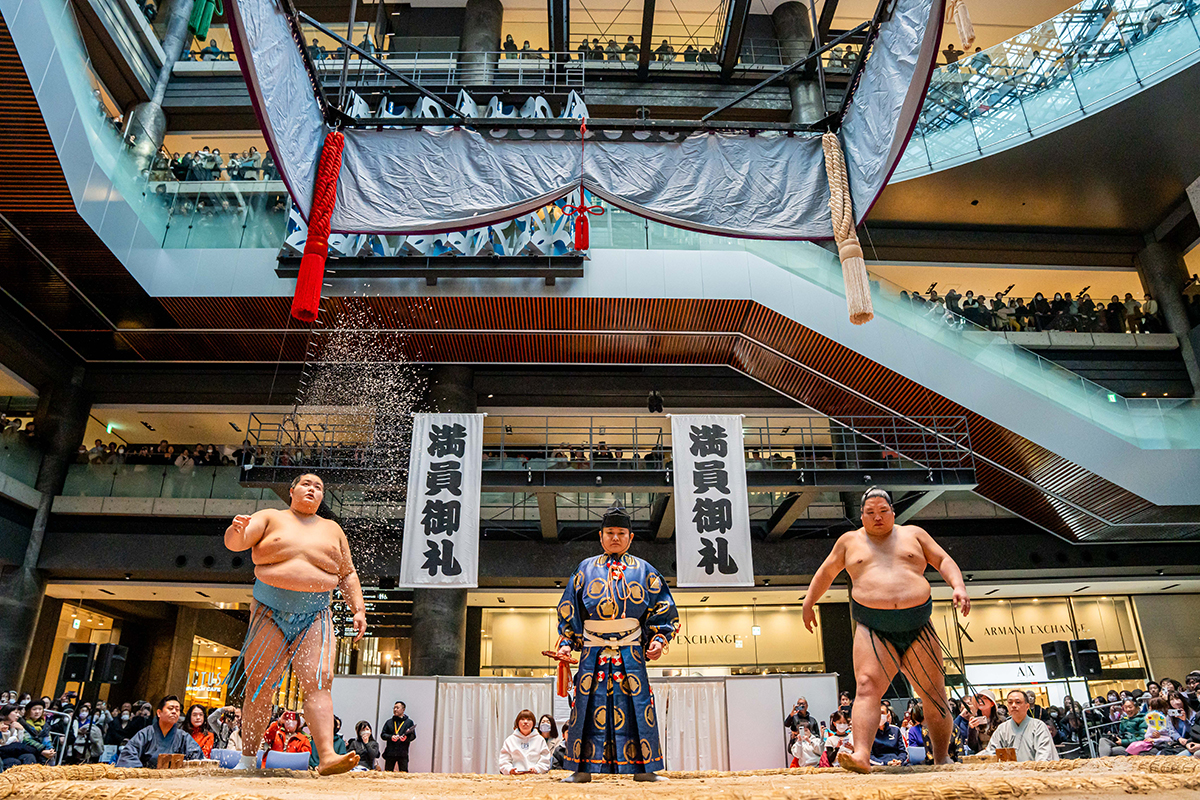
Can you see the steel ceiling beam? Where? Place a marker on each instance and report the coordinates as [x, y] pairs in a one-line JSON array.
[[732, 34], [643, 69]]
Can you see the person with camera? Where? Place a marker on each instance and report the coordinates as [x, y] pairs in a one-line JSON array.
[[806, 747], [226, 722], [799, 718]]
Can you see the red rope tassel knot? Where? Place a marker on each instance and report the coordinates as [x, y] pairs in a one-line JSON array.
[[580, 212], [563, 682], [307, 299]]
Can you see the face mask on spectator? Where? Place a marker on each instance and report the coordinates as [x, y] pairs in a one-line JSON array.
[[124, 716], [840, 727], [544, 727]]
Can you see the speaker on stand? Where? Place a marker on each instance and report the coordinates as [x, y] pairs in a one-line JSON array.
[[1057, 658], [110, 663], [1086, 658]]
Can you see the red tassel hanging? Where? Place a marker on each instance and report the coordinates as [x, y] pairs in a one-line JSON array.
[[562, 684], [307, 299], [581, 232]]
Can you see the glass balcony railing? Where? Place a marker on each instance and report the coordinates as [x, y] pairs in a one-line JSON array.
[[1086, 58], [195, 214], [154, 480], [19, 458]]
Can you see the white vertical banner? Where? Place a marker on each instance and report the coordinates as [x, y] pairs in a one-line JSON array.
[[712, 505], [441, 518]]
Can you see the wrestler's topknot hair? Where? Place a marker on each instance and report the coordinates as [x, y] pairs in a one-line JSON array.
[[875, 491]]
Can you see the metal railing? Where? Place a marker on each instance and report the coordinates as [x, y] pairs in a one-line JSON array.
[[552, 443]]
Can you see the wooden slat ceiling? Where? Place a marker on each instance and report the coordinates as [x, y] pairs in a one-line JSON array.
[[766, 346]]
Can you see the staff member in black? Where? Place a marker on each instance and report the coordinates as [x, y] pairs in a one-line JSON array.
[[397, 734]]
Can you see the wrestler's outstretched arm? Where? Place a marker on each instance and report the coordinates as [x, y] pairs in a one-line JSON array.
[[823, 579], [351, 588], [940, 560], [247, 530]]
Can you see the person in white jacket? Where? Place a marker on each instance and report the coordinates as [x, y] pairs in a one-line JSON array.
[[525, 750]]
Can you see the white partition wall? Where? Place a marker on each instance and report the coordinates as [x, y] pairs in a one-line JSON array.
[[356, 697], [752, 710], [419, 696]]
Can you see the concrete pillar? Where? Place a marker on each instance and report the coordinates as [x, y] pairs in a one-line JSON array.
[[61, 420], [439, 616], [480, 41], [793, 29], [439, 636], [1163, 273], [146, 123]]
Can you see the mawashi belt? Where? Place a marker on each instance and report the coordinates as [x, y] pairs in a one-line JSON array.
[[627, 631]]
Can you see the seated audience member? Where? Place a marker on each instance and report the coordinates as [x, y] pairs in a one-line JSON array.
[[161, 736], [1131, 728], [1028, 736], [888, 749], [524, 751], [1191, 690], [1161, 736], [88, 738], [283, 735], [985, 721], [799, 718], [806, 748], [548, 728], [18, 747], [917, 734], [195, 724], [838, 737], [35, 719], [367, 747], [339, 744]]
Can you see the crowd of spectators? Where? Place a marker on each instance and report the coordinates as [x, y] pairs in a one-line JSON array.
[[209, 164], [1160, 719], [1060, 313]]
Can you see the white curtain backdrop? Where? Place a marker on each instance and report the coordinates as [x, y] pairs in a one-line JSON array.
[[693, 724], [475, 716]]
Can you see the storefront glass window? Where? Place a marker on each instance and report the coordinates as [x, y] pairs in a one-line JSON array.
[[728, 640], [206, 675]]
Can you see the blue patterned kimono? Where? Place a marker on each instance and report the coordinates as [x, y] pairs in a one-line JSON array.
[[613, 725]]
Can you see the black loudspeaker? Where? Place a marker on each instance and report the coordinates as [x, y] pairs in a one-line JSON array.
[[1057, 657], [77, 663], [110, 663], [1086, 657], [387, 584]]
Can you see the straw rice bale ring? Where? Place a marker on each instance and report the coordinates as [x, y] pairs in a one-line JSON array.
[[1162, 778]]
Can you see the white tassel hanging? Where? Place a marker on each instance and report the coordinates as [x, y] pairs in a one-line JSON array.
[[854, 269], [962, 20]]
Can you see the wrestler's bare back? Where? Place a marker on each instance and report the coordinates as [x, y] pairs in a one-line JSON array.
[[887, 571], [304, 553]]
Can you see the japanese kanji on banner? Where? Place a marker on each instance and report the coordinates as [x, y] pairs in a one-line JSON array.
[[441, 519], [712, 512]]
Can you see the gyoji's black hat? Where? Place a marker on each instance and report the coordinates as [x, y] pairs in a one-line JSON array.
[[616, 517]]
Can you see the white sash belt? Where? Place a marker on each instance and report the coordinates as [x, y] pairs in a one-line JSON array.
[[631, 628]]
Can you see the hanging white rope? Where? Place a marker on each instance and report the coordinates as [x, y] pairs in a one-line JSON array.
[[854, 269], [957, 9]]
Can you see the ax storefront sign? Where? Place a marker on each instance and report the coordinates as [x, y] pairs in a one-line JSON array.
[[441, 519]]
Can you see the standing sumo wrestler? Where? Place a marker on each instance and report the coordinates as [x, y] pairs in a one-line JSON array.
[[618, 610], [299, 558]]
